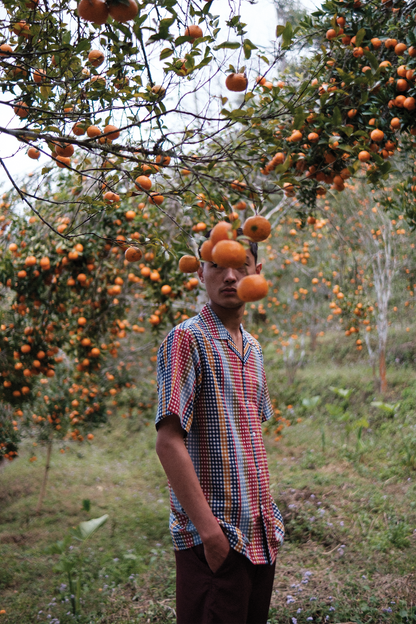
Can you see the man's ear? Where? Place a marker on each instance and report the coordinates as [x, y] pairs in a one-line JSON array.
[[259, 267], [200, 272]]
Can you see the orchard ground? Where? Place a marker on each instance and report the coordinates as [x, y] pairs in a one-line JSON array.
[[347, 493]]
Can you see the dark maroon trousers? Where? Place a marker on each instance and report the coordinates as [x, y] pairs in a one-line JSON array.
[[238, 592]]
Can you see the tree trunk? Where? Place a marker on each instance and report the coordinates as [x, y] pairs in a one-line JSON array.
[[382, 369], [45, 476]]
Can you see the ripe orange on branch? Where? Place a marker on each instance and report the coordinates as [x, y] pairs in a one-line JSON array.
[[122, 11], [236, 82], [188, 264], [94, 11], [252, 288], [112, 132], [206, 250], [144, 182], [21, 109], [229, 253], [34, 153], [194, 32], [96, 58], [133, 254], [222, 231], [257, 228]]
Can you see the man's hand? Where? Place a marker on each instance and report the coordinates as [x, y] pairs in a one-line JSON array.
[[216, 550], [181, 473]]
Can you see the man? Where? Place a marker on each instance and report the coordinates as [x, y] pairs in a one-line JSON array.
[[225, 526]]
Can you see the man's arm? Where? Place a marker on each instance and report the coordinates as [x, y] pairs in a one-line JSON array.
[[180, 471]]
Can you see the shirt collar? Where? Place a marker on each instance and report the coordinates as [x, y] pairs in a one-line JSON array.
[[215, 325]]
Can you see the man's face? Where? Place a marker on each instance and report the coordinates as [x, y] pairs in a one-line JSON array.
[[221, 283]]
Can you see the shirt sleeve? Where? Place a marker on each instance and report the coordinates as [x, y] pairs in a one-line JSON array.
[[267, 410], [178, 377], [267, 407]]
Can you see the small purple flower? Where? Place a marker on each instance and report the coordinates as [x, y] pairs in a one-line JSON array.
[[294, 620]]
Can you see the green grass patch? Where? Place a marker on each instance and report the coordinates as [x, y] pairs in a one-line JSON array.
[[348, 498]]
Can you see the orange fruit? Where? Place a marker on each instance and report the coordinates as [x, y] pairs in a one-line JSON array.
[[222, 231], [229, 254], [376, 43], [34, 153], [377, 135], [395, 123], [156, 198], [77, 129], [63, 161], [21, 109], [241, 205], [64, 149], [121, 12], [166, 289], [130, 214], [252, 288], [313, 137], [206, 250], [163, 161], [96, 58], [112, 133], [111, 197], [409, 103], [81, 321], [39, 75], [5, 49], [133, 254], [144, 182], [236, 82], [159, 90], [364, 156], [257, 228], [93, 131], [401, 84], [194, 32], [188, 264], [331, 33], [400, 48], [94, 11]]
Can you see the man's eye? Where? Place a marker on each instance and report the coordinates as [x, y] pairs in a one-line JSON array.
[[214, 266]]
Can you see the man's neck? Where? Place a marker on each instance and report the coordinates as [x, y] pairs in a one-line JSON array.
[[231, 318]]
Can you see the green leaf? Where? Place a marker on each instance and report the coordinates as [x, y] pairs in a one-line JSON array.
[[312, 402], [166, 52], [359, 37], [342, 392], [299, 119], [336, 116], [279, 30], [89, 527], [287, 35], [371, 59], [248, 47], [229, 45], [284, 166], [390, 408]]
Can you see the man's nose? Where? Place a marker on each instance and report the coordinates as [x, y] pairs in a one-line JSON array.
[[229, 275]]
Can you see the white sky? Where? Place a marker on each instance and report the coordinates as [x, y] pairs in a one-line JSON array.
[[261, 20]]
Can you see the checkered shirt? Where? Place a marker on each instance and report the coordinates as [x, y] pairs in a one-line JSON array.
[[221, 398]]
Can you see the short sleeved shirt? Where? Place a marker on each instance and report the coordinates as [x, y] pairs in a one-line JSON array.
[[221, 399]]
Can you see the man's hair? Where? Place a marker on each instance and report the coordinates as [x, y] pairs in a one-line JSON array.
[[253, 246]]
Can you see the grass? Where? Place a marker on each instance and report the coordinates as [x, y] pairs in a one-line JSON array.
[[348, 499]]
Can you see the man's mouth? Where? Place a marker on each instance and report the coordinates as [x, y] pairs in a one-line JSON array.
[[229, 290]]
